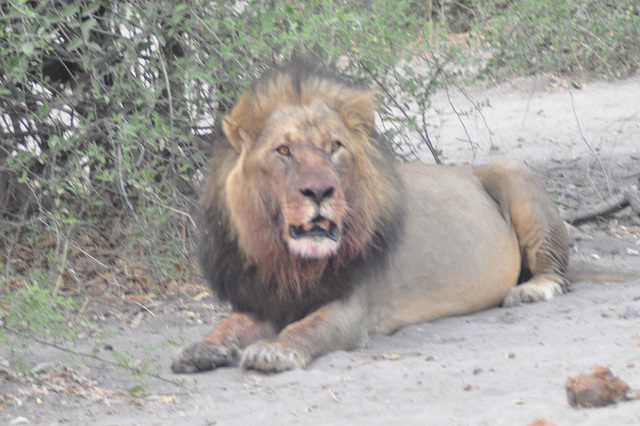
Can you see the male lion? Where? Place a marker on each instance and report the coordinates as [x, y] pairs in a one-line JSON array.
[[317, 238]]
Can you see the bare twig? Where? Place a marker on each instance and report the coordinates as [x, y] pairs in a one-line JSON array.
[[63, 258], [77, 247], [627, 196], [396, 104], [604, 171], [121, 177], [464, 127], [161, 203], [475, 104]]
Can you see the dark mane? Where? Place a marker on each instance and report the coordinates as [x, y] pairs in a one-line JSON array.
[[232, 278], [301, 72]]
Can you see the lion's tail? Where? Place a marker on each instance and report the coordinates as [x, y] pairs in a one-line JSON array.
[[583, 271]]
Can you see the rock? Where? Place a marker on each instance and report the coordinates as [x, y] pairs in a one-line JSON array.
[[597, 389]]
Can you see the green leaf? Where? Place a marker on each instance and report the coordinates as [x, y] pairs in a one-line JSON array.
[[86, 27], [138, 390], [94, 46], [74, 44], [28, 48]]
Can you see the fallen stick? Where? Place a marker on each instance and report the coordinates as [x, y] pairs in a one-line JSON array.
[[626, 196]]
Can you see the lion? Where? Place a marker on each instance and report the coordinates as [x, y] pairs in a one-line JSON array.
[[316, 237]]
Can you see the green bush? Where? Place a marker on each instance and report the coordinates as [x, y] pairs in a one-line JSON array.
[[107, 110], [564, 36], [46, 310]]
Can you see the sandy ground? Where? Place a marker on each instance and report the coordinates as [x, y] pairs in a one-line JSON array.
[[500, 366]]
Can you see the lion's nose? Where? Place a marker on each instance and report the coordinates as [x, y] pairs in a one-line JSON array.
[[318, 195]]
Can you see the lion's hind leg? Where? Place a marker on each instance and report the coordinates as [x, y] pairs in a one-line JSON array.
[[542, 236], [223, 345]]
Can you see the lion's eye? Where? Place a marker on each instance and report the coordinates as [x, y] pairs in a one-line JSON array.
[[335, 145], [284, 150]]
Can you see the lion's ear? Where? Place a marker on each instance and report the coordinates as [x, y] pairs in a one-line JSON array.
[[244, 122], [358, 111], [238, 137], [232, 132]]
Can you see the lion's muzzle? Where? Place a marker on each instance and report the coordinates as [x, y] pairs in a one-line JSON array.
[[318, 195], [314, 211], [319, 227], [315, 239]]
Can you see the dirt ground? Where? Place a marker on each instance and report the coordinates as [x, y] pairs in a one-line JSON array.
[[500, 366]]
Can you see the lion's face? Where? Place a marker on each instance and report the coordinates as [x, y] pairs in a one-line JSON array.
[[298, 172], [301, 181]]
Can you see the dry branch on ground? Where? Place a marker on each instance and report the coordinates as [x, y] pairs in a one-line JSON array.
[[625, 196]]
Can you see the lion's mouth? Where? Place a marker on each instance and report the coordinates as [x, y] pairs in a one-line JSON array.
[[319, 227]]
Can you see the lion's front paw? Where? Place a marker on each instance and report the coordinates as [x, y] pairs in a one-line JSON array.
[[202, 356], [270, 358], [531, 292]]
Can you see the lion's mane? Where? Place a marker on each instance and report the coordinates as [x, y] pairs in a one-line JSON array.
[[281, 288]]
